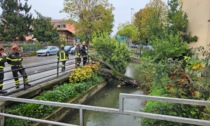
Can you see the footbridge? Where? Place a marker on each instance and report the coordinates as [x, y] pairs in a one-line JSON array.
[[119, 110], [53, 75], [37, 74]]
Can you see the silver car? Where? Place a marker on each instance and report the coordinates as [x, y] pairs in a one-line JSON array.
[[47, 50], [148, 47], [72, 51]]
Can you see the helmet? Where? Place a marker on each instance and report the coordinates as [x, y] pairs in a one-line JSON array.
[[83, 43], [14, 47], [78, 43], [1, 47], [62, 46]]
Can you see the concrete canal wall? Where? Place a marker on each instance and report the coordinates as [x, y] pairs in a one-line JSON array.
[[33, 91], [60, 113]]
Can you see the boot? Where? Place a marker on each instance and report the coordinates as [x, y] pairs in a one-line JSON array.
[[3, 91], [63, 69], [27, 84], [17, 86]]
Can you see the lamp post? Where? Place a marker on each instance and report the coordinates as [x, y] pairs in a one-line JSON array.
[[131, 14]]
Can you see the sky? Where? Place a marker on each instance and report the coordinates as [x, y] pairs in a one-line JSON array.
[[122, 10]]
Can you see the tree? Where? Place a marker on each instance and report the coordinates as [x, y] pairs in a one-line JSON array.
[[177, 21], [43, 30], [91, 15], [18, 20], [75, 7], [130, 31], [172, 47], [151, 20], [137, 19], [110, 51]]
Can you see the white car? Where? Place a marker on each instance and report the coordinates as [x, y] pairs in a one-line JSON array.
[[148, 47], [72, 51], [68, 48]]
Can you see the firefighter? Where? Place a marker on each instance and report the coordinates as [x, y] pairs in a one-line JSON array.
[[15, 60], [62, 57], [78, 55], [84, 53], [2, 65]]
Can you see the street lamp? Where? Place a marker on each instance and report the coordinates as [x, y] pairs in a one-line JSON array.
[[131, 14]]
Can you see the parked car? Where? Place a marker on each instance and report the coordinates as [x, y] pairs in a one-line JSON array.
[[67, 48], [72, 51], [133, 45], [148, 47], [47, 50]]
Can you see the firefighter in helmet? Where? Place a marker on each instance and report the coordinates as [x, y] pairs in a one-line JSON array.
[[78, 54], [15, 60], [84, 53], [2, 65], [62, 57]]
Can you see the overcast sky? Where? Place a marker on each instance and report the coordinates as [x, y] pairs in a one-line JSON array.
[[122, 12]]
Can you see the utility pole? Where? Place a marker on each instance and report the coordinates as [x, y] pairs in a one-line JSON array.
[[17, 10], [131, 14]]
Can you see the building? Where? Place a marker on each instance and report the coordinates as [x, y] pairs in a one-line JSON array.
[[65, 30], [198, 12]]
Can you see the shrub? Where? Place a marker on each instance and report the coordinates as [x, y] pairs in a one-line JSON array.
[[62, 93], [170, 80], [81, 74], [111, 51]]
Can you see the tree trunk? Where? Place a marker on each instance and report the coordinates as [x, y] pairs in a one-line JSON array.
[[110, 72]]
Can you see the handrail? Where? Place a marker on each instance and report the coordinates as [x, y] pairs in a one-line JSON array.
[[165, 99], [36, 120], [119, 110], [40, 71], [38, 65]]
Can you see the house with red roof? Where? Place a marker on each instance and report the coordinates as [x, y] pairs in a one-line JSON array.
[[65, 30]]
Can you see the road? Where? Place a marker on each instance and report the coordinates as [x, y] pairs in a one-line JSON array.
[[44, 68]]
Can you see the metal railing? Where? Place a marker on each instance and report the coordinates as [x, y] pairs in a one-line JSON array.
[[120, 110], [50, 75]]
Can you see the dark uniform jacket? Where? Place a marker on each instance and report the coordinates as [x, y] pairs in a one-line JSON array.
[[84, 50], [15, 59], [78, 51], [2, 61]]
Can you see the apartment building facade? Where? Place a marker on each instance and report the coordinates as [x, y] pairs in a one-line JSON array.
[[66, 31], [198, 12]]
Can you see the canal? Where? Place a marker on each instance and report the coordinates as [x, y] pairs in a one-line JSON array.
[[109, 97]]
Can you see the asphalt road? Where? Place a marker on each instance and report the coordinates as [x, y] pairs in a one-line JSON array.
[[38, 69]]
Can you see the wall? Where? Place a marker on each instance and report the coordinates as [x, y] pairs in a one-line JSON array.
[[198, 12], [62, 113], [33, 91]]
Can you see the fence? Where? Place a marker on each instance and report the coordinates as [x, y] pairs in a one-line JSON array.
[[25, 46], [120, 110], [52, 69]]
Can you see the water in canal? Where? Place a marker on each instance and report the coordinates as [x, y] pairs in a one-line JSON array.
[[109, 97]]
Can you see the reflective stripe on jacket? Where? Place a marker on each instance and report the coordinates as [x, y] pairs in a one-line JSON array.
[[2, 61], [78, 52], [15, 59], [62, 55]]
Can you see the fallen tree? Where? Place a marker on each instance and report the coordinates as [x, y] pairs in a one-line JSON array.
[[108, 71]]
